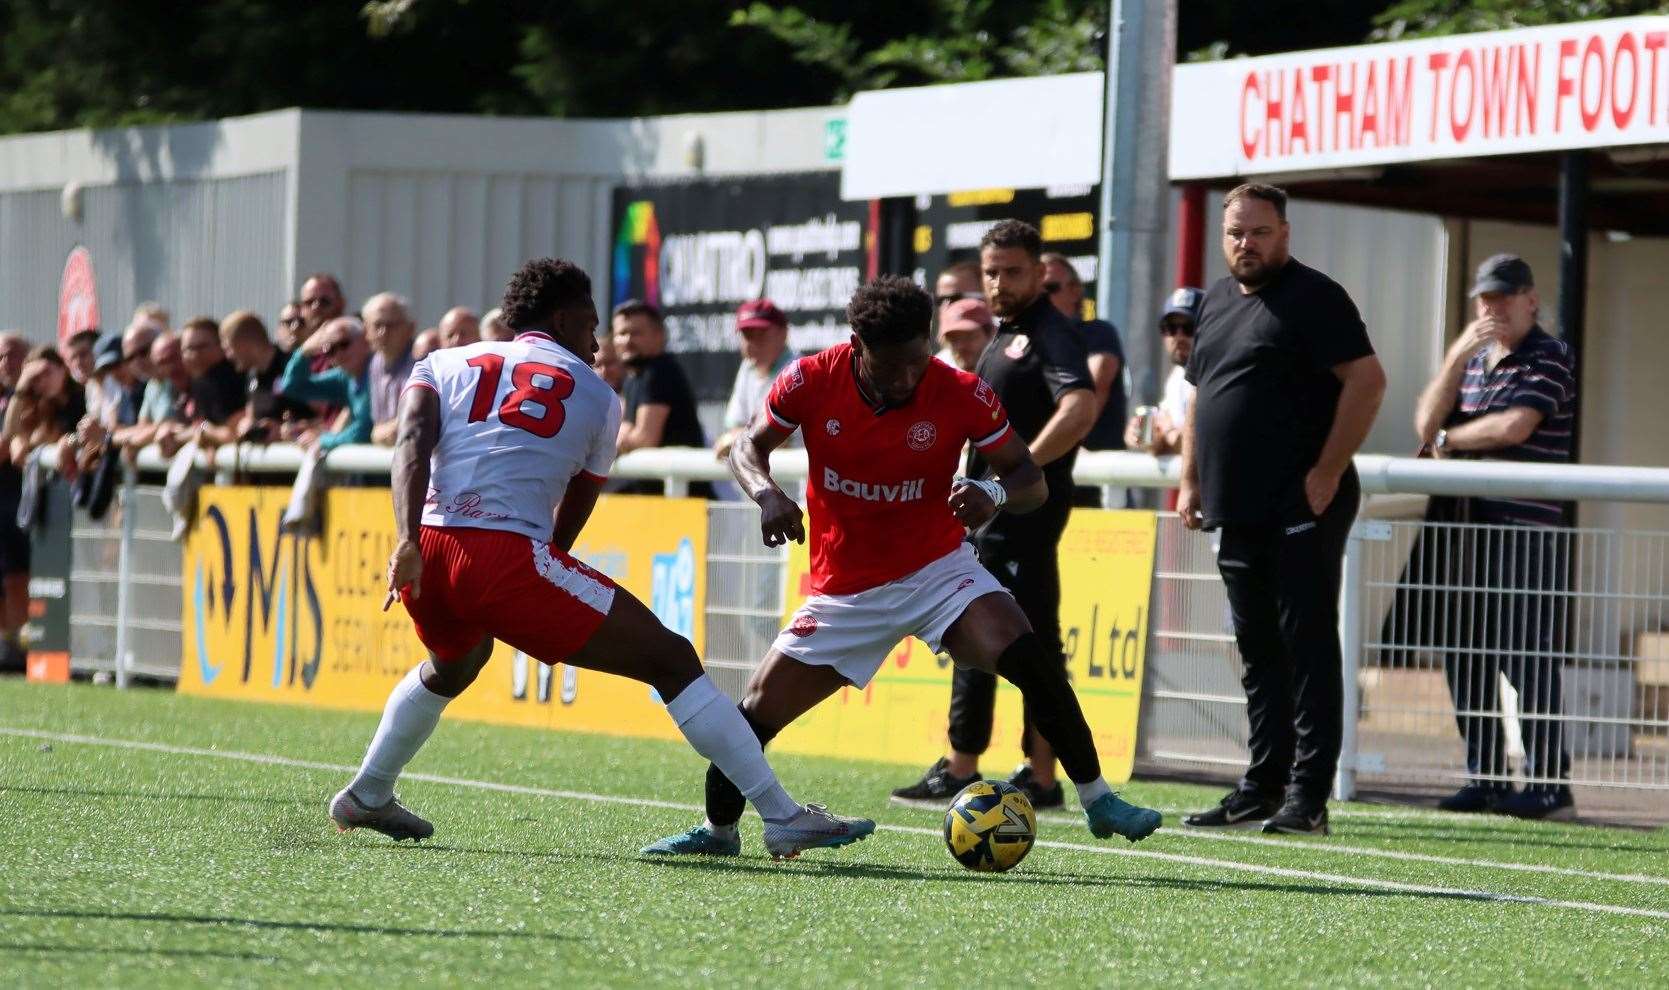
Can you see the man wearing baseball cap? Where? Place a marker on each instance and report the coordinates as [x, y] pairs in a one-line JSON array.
[[1506, 392], [965, 327], [1176, 329], [764, 332]]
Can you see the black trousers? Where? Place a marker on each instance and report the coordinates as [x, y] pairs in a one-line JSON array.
[[1283, 589], [1024, 557], [1508, 617]]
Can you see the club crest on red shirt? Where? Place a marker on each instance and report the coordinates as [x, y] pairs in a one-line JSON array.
[[804, 625], [833, 427], [792, 378], [922, 435], [984, 393]]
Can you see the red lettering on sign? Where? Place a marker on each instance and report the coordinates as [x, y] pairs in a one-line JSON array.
[[1655, 40], [1495, 88], [1319, 75], [1567, 84], [1529, 87], [1368, 121], [1436, 62], [1399, 102], [1344, 108], [1300, 116], [1248, 142], [1273, 117], [1460, 111], [1594, 51], [1621, 115]]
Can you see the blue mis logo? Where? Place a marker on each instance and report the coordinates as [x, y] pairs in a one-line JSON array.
[[672, 589]]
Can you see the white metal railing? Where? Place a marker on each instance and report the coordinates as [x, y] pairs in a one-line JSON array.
[[1193, 707]]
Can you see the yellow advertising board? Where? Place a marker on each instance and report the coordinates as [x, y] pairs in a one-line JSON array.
[[1106, 560], [272, 616]]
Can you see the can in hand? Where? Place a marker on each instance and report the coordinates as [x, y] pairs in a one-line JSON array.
[[1144, 424]]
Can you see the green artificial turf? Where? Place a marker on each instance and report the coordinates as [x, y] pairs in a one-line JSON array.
[[135, 867]]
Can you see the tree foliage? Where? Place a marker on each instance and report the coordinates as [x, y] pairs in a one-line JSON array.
[[1427, 18], [958, 41], [98, 63]]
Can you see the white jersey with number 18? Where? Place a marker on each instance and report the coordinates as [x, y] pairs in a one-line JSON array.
[[518, 419]]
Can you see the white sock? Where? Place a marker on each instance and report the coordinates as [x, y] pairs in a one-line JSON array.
[[721, 831], [1090, 792], [718, 731], [411, 714]]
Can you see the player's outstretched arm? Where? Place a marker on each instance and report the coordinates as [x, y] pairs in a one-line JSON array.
[[1022, 481], [780, 519], [409, 474], [574, 510]]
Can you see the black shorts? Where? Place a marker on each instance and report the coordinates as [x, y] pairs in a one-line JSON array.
[[14, 542], [14, 548]]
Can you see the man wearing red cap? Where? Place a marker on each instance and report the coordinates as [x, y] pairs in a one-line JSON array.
[[765, 353], [965, 327]]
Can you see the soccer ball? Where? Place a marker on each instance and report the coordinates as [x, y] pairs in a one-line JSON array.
[[990, 826]]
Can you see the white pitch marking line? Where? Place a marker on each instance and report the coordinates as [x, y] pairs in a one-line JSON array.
[[1334, 848], [1108, 850]]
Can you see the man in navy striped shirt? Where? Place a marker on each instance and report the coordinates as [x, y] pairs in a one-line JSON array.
[[1506, 392]]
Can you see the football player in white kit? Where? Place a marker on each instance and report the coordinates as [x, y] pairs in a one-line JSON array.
[[502, 450]]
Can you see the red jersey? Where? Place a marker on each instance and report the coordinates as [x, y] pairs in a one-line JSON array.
[[880, 480]]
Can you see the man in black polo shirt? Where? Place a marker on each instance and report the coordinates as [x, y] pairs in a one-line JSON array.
[[1038, 366], [660, 409], [1506, 392], [1288, 387]]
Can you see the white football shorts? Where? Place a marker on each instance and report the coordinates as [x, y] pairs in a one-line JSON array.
[[854, 633]]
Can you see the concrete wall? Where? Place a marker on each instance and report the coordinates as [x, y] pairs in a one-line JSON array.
[[193, 216], [209, 217]]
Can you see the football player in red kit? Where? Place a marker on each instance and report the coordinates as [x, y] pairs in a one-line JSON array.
[[884, 426]]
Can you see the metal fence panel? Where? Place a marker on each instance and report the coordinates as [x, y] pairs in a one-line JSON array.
[[744, 594], [154, 632]]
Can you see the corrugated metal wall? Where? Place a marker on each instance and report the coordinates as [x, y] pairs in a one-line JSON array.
[[34, 240], [195, 245], [449, 239], [1395, 266]]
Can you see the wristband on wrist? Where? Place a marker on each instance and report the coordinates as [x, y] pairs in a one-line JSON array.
[[992, 489]]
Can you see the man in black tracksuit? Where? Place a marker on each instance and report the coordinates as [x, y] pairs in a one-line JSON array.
[[1038, 366], [1288, 386]]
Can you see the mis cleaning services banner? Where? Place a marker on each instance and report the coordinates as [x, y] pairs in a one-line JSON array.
[[272, 616], [1106, 561]]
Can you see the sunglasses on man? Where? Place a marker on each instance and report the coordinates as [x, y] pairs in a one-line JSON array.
[[950, 297], [1177, 328]]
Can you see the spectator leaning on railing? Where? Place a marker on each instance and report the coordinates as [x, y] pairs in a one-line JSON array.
[[290, 324], [215, 396], [346, 383], [261, 363], [321, 301], [1505, 392], [764, 332], [163, 405], [493, 326], [389, 330], [459, 326], [660, 405]]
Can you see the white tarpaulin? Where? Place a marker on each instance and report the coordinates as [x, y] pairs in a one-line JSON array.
[[1011, 133], [1587, 85]]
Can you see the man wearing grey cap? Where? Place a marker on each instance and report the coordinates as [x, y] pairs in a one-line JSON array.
[[1163, 435], [1506, 392]]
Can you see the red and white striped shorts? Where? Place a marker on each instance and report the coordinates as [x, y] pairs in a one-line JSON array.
[[514, 588]]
